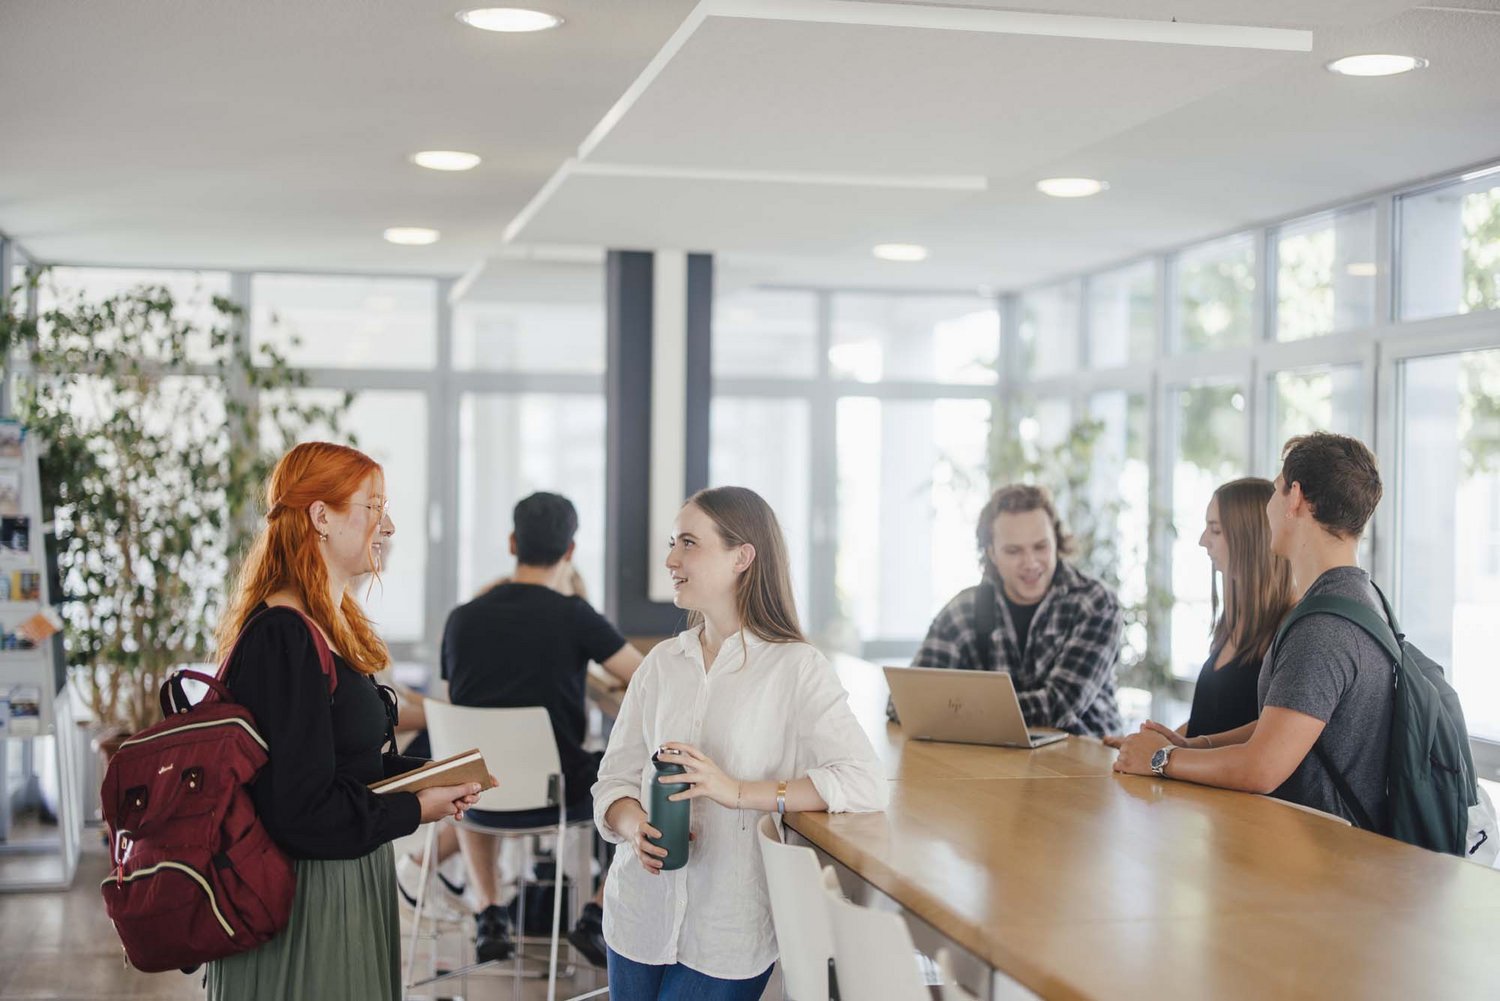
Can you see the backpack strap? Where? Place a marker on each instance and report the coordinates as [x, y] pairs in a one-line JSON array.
[[1362, 615], [984, 624], [1361, 817], [1382, 631], [174, 700], [325, 656]]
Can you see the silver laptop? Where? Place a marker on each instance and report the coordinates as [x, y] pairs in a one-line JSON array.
[[962, 707]]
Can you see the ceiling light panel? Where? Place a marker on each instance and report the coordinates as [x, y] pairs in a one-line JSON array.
[[509, 19]]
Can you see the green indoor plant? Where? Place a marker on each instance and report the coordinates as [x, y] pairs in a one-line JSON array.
[[1092, 515], [157, 424]]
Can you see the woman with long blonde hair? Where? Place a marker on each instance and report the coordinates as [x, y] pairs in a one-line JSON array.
[[1258, 593], [326, 524], [760, 723]]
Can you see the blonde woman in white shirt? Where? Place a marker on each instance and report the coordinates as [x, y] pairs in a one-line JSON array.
[[761, 725]]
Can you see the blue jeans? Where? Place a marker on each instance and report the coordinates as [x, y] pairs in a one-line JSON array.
[[632, 981]]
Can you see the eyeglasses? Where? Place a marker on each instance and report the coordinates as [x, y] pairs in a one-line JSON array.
[[381, 508]]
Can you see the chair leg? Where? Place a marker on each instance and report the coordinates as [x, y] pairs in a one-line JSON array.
[[521, 876], [416, 920], [583, 859], [557, 895]]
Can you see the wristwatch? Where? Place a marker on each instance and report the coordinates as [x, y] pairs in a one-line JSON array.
[[1159, 759]]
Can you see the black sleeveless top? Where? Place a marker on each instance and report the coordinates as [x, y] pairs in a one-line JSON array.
[[1226, 698]]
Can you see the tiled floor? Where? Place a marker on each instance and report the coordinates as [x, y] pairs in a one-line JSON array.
[[61, 945]]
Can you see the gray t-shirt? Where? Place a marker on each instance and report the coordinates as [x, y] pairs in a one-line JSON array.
[[1331, 669]]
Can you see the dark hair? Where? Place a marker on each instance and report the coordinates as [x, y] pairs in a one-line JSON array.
[[1019, 498], [545, 525], [1339, 478], [1258, 588], [763, 595]]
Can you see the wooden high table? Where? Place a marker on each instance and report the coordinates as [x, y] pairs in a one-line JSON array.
[[1045, 869]]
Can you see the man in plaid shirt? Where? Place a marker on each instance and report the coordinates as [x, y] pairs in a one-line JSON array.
[[1056, 630]]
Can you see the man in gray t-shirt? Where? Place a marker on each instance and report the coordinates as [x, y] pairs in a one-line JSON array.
[[1331, 669], [1330, 685]]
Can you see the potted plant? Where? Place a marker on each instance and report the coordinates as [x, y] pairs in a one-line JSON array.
[[157, 425]]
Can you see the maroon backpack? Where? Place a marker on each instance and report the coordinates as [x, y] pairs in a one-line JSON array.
[[196, 876]]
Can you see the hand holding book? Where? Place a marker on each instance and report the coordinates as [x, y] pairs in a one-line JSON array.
[[444, 788]]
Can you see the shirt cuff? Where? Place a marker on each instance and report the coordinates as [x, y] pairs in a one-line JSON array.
[[603, 800], [853, 791], [405, 812]]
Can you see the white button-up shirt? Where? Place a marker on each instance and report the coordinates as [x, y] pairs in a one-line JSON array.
[[765, 711]]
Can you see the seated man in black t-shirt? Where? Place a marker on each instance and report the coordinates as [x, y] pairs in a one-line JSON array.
[[525, 643]]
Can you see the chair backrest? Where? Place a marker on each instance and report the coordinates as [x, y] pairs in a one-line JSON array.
[[873, 955], [517, 744], [799, 914]]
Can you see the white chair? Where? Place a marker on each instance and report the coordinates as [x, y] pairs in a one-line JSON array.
[[799, 914], [1312, 810], [872, 951], [951, 990], [521, 751]]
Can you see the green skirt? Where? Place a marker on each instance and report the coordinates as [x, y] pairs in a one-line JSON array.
[[343, 942]]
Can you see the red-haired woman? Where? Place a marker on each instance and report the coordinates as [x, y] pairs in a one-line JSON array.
[[326, 522]]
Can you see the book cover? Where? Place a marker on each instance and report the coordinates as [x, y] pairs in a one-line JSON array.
[[468, 766]]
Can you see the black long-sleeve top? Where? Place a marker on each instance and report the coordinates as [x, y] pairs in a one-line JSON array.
[[313, 794]]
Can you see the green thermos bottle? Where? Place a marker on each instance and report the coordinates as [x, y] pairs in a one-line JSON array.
[[672, 819]]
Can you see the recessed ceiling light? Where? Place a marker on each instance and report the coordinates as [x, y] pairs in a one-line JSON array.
[[1360, 269], [1376, 64], [508, 19], [445, 159], [1070, 187], [411, 236], [899, 252]]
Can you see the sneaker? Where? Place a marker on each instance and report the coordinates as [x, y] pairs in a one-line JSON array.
[[441, 903], [454, 875], [587, 936], [492, 937]]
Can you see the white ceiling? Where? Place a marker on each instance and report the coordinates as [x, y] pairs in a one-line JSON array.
[[274, 135], [261, 134]]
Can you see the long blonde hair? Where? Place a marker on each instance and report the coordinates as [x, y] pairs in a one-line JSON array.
[[285, 554], [763, 594], [1258, 588]]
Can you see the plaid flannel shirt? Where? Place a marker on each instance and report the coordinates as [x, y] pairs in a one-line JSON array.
[[1067, 678]]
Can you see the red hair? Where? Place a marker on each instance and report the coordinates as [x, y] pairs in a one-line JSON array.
[[285, 556]]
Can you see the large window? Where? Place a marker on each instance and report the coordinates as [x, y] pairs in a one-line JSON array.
[[562, 336], [192, 294], [1120, 496], [1215, 302], [1448, 487], [864, 419], [764, 443], [321, 321], [1210, 434], [390, 426], [1326, 398], [1049, 331], [512, 445], [1122, 316], [766, 333], [911, 484], [1450, 248], [1325, 274], [884, 338]]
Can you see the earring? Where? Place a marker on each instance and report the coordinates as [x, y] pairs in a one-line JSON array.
[[322, 536]]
